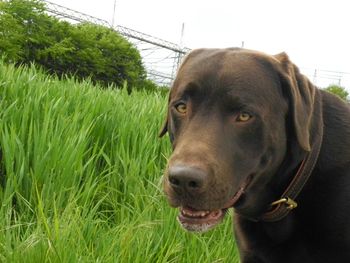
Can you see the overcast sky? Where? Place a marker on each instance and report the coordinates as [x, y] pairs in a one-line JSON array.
[[315, 34]]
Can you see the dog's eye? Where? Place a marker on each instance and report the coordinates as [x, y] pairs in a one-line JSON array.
[[244, 116], [181, 108]]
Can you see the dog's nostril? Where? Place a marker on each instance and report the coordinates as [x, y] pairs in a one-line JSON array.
[[174, 181], [193, 184]]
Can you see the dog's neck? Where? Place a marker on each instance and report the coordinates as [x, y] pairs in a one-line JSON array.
[[294, 173]]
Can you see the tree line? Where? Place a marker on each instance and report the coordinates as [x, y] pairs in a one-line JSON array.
[[28, 35]]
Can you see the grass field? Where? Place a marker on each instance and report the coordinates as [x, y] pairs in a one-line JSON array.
[[81, 175]]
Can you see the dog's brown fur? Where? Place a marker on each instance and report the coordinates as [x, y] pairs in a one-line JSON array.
[[210, 143]]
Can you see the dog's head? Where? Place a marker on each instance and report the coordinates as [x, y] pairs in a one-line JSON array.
[[233, 117]]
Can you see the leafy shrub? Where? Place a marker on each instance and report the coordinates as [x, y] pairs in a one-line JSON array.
[[338, 90], [29, 35]]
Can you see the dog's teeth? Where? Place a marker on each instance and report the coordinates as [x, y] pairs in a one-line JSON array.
[[195, 214]]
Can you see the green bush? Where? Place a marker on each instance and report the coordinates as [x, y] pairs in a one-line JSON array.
[[84, 50], [338, 90]]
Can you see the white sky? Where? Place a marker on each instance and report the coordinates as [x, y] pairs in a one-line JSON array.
[[315, 34]]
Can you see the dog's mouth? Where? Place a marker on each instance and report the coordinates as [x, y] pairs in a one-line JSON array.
[[203, 220], [200, 221]]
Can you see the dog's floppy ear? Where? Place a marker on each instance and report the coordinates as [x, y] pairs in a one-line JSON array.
[[164, 128], [301, 93]]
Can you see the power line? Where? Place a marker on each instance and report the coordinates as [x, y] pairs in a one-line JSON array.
[[135, 36], [162, 56]]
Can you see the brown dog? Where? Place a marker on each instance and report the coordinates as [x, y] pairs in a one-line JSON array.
[[250, 132]]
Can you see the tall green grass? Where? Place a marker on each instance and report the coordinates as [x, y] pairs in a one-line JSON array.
[[80, 177]]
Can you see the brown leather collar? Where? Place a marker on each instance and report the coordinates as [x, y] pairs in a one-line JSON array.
[[281, 208]]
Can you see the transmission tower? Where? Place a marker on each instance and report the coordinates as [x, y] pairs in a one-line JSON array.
[[160, 57]]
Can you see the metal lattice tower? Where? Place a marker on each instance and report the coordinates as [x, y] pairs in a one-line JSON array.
[[160, 57]]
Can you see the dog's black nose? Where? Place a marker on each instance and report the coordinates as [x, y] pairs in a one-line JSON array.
[[187, 178]]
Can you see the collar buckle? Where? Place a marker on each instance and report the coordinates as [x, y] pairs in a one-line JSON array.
[[289, 202]]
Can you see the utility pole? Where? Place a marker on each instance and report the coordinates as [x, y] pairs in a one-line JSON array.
[[182, 35], [177, 58], [315, 76], [115, 4]]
